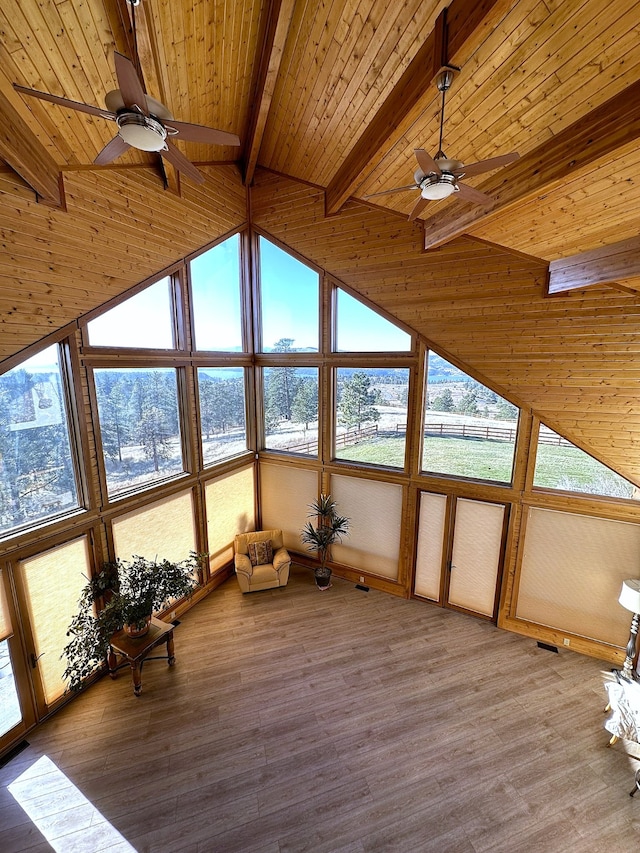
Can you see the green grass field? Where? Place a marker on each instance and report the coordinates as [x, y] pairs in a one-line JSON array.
[[565, 468]]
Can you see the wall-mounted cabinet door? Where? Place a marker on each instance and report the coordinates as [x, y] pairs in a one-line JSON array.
[[460, 546]]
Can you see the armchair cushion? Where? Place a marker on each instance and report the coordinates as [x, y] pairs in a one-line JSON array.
[[260, 553]]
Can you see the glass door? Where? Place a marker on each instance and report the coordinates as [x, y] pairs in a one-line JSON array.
[[460, 545], [476, 556]]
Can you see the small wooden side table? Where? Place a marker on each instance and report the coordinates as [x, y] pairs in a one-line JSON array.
[[135, 650]]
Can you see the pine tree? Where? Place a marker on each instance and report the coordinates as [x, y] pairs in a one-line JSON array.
[[358, 401], [305, 405]]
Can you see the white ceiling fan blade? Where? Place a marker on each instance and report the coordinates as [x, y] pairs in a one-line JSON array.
[[65, 102], [200, 133], [487, 165], [112, 150], [388, 192], [473, 195], [177, 159], [426, 162], [129, 83], [418, 207]]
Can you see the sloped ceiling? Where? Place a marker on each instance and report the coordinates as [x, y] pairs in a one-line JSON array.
[[335, 98]]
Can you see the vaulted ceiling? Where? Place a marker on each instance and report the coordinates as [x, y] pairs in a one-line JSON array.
[[331, 99]]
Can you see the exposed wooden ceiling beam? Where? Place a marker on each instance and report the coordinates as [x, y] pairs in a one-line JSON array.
[[603, 130], [277, 21], [26, 155], [604, 265], [467, 22]]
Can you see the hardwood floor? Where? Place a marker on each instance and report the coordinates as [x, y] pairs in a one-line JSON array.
[[335, 722]]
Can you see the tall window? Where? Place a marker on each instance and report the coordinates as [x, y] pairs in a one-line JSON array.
[[143, 320], [222, 412], [37, 476], [469, 431], [360, 329], [215, 288], [290, 302], [562, 465], [291, 409], [139, 425], [371, 416]]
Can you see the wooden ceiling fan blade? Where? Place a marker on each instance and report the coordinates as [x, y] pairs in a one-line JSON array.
[[177, 159], [418, 207], [487, 165], [129, 83], [475, 196], [65, 102], [200, 133], [426, 162], [388, 192], [112, 150]]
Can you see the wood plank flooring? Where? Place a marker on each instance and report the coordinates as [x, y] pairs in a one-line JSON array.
[[335, 722]]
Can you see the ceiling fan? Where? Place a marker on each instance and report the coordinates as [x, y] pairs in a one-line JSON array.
[[143, 122], [439, 177]]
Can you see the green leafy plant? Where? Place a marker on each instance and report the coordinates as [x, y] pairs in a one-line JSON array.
[[329, 528], [130, 592]]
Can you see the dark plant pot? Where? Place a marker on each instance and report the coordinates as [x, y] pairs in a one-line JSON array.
[[136, 630], [323, 577]]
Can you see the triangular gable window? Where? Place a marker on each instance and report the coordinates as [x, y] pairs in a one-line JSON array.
[[563, 466], [144, 320], [360, 329]]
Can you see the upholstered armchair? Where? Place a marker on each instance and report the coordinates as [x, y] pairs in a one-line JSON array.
[[261, 560]]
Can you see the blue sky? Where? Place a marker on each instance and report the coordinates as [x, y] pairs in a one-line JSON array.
[[290, 309]]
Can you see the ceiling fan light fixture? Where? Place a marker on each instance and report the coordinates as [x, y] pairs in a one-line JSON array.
[[142, 132], [436, 187]]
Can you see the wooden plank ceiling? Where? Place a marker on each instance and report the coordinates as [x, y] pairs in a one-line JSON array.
[[337, 96]]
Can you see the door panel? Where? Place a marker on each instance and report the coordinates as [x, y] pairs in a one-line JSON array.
[[476, 555], [431, 538]]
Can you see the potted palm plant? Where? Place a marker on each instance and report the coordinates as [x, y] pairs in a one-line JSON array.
[[329, 528], [130, 592]]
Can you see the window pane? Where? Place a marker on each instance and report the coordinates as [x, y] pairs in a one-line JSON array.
[[10, 713], [372, 415], [144, 320], [215, 288], [290, 293], [562, 465], [53, 581], [285, 495], [165, 530], [37, 478], [362, 330], [469, 431], [375, 512], [230, 510], [140, 426], [291, 409], [222, 412], [572, 570]]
